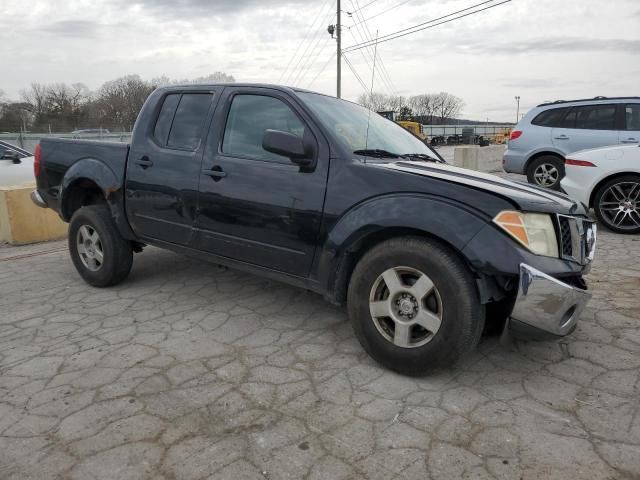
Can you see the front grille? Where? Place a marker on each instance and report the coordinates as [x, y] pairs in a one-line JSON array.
[[566, 241], [577, 237]]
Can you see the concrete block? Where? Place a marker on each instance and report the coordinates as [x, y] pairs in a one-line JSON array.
[[22, 222], [482, 159]]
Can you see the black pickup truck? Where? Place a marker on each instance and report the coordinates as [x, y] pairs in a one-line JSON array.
[[325, 195]]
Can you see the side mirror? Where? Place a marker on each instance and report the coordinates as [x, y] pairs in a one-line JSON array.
[[287, 145], [11, 155]]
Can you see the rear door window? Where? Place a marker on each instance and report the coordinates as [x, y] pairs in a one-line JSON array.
[[596, 117], [188, 122], [163, 124], [632, 116], [550, 118]]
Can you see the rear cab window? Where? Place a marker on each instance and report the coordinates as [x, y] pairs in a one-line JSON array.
[[180, 123]]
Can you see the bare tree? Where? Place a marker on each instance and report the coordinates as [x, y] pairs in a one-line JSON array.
[[422, 106], [119, 101], [447, 106], [378, 102], [216, 77], [37, 98]]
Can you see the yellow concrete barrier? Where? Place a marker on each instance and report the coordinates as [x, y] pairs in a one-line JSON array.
[[22, 222]]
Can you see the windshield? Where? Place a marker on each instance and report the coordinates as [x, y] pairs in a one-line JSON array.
[[348, 121]]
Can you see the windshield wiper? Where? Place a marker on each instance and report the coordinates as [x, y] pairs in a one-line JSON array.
[[422, 156], [376, 152]]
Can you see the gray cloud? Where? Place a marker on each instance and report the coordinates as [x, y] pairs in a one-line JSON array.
[[206, 8], [557, 45], [78, 28], [72, 28], [541, 83]]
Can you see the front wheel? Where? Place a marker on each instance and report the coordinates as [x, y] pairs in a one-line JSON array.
[[546, 171], [414, 305], [101, 256], [617, 204]]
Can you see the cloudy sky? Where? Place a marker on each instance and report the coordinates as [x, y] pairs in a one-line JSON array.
[[537, 49]]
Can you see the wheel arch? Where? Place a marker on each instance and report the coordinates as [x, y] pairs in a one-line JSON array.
[[452, 226], [604, 180], [90, 181], [543, 153]]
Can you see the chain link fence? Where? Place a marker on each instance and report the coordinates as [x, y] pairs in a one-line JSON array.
[[28, 141]]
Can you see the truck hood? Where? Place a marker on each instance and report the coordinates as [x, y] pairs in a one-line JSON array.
[[525, 197]]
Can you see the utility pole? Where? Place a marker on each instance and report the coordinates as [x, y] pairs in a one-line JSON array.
[[339, 51], [517, 108]]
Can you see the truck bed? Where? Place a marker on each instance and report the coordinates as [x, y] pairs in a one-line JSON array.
[[59, 155]]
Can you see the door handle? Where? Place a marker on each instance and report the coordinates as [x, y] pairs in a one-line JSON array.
[[216, 173], [561, 137], [630, 140], [144, 162]]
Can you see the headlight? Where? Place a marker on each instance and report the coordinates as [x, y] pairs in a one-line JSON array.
[[533, 230]]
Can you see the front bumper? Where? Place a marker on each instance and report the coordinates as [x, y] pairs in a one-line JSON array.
[[37, 199], [513, 161], [545, 306]]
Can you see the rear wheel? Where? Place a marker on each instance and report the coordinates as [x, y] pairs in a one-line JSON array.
[[414, 305], [546, 171], [101, 256], [617, 204]]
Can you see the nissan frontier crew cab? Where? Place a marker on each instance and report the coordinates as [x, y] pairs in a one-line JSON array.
[[325, 195]]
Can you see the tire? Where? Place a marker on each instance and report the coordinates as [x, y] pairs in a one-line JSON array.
[[114, 263], [454, 300], [617, 204], [546, 171]]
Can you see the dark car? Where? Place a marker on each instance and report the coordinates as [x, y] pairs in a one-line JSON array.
[[320, 193]]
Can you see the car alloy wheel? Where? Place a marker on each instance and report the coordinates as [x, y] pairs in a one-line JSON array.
[[620, 205], [546, 175], [90, 248], [405, 307]]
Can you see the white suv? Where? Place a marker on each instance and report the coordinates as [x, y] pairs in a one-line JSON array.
[[550, 131]]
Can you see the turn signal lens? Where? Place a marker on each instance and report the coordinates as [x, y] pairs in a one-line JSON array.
[[533, 230], [579, 163], [513, 223]]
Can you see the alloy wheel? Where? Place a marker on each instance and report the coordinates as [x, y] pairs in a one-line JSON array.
[[405, 307], [90, 248], [620, 205], [546, 175]]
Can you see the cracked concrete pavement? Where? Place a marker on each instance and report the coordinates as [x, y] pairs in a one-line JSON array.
[[191, 371]]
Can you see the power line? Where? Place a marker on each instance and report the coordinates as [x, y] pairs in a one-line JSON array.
[[304, 40], [366, 58], [303, 73], [385, 11], [440, 18], [364, 6], [324, 67], [368, 36], [313, 54], [355, 73], [306, 50], [394, 35], [306, 63]]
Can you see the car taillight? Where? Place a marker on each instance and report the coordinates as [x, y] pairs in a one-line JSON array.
[[37, 157], [515, 134], [579, 163]]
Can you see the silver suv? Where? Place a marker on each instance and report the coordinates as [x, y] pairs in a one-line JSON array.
[[550, 131]]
